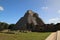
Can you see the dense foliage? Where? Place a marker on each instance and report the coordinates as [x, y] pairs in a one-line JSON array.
[[45, 27], [4, 26]]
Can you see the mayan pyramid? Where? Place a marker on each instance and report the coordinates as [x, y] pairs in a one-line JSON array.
[[30, 21]]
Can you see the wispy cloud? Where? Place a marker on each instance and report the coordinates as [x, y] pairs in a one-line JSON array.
[[1, 8], [44, 8], [58, 11], [54, 20]]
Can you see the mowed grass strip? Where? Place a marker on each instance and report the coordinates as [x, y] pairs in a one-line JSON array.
[[25, 36]]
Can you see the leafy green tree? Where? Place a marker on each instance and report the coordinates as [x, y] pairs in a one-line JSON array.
[[3, 26], [11, 26]]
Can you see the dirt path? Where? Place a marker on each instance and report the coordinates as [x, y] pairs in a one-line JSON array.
[[58, 35], [52, 36]]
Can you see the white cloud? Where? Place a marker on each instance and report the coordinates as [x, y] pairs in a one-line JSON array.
[[54, 20], [54, 6], [58, 11], [1, 8], [44, 8]]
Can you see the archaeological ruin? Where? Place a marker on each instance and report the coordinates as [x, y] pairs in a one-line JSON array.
[[31, 22]]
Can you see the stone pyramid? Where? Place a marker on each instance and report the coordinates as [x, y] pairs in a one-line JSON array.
[[30, 21]]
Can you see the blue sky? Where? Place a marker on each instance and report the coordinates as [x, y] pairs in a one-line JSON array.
[[12, 10]]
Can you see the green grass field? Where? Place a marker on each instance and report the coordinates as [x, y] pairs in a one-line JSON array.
[[24, 36]]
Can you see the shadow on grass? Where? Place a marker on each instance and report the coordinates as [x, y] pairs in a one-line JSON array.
[[46, 31]]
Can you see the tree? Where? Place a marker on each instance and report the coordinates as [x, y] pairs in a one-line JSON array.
[[11, 26], [3, 26]]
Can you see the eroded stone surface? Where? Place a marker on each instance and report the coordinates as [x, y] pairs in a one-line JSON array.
[[29, 21]]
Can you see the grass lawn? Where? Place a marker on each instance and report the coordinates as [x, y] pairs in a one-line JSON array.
[[24, 36]]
